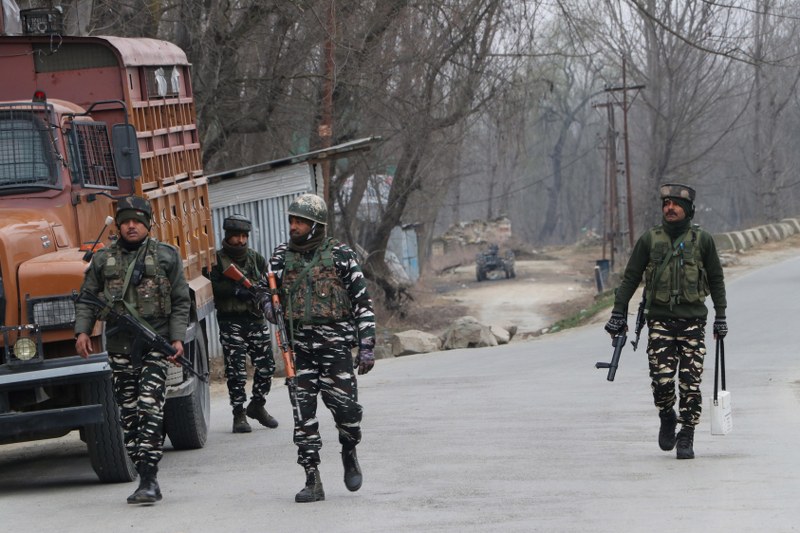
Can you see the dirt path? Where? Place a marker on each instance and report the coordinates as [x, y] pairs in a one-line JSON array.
[[543, 292], [527, 300]]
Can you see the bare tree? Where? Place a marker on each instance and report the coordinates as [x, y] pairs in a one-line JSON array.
[[774, 87]]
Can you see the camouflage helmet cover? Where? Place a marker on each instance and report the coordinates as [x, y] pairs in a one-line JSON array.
[[676, 190], [134, 208], [311, 207], [682, 194], [237, 222]]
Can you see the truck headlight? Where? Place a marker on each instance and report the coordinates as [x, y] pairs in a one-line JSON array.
[[22, 345], [24, 349]]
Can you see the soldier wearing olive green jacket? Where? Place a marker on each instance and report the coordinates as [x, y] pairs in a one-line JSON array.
[[144, 278], [680, 267], [243, 331]]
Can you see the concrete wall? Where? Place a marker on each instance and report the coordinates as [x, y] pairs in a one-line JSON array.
[[735, 241]]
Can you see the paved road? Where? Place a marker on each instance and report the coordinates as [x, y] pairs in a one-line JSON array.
[[524, 437]]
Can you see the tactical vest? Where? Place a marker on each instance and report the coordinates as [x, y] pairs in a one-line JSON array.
[[681, 277], [313, 290], [234, 305], [151, 297]]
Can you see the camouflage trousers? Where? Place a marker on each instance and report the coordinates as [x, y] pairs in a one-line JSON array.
[[324, 367], [140, 394], [677, 346], [240, 340]]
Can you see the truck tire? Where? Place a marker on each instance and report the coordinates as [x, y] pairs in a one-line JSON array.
[[105, 441], [186, 418]]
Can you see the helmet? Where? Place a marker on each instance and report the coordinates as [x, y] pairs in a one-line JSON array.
[[676, 190], [309, 206], [237, 223], [134, 207], [682, 194]]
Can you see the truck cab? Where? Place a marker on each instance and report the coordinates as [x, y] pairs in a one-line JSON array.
[[85, 121]]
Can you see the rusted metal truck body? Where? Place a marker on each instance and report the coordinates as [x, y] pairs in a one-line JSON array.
[[85, 121]]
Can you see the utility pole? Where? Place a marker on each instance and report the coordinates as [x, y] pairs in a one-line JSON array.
[[629, 193], [325, 131], [611, 222], [612, 170]]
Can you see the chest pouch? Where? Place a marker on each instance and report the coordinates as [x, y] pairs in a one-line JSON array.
[[114, 276], [153, 293], [694, 282]]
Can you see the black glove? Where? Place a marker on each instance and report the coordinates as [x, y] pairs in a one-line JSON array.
[[720, 327], [366, 357], [616, 324], [271, 312], [242, 294]]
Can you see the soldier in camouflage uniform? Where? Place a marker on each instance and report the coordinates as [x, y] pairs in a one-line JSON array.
[[243, 331], [680, 266], [144, 278], [328, 312]]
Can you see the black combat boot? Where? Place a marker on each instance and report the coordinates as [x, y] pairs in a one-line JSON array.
[[240, 424], [685, 443], [256, 411], [312, 492], [666, 435], [148, 491], [352, 472]]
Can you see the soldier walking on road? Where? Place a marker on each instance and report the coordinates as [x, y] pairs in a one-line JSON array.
[[328, 311], [243, 332], [681, 267], [144, 278]]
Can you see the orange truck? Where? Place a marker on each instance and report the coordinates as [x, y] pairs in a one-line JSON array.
[[85, 121]]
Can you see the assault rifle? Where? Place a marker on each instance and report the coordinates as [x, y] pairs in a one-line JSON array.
[[640, 318], [617, 342], [282, 337], [234, 274], [143, 337]]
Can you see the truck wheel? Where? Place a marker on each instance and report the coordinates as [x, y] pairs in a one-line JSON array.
[[186, 418], [105, 441]]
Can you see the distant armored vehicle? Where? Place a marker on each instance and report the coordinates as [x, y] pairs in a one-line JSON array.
[[491, 260]]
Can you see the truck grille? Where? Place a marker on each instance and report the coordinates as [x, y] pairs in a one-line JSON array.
[[56, 312]]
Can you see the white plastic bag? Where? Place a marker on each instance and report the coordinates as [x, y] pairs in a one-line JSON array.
[[721, 416]]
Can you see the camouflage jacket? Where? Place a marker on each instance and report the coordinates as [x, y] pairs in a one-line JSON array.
[[161, 298], [361, 316]]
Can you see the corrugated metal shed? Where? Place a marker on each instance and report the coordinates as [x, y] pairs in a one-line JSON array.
[[259, 185], [263, 197], [263, 193]]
